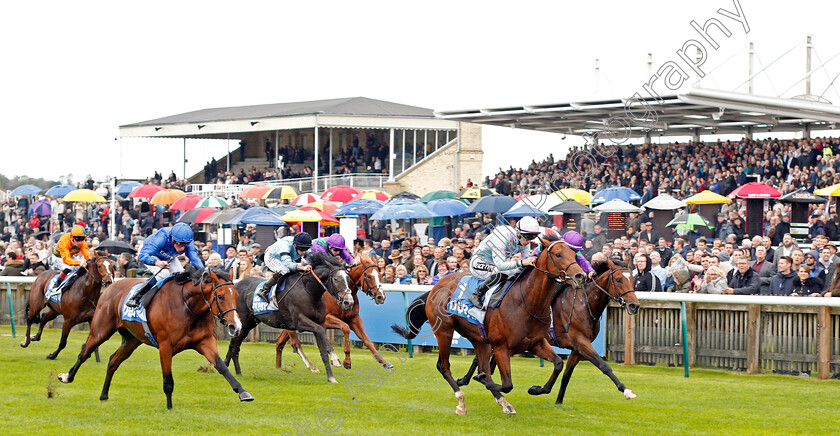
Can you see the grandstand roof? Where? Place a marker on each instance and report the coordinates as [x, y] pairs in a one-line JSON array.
[[699, 111], [339, 112]]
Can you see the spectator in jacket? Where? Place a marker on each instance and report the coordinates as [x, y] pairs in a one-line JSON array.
[[713, 282], [765, 269], [804, 285], [13, 265], [782, 282], [815, 226], [827, 266], [645, 281], [813, 267], [744, 281], [241, 268]]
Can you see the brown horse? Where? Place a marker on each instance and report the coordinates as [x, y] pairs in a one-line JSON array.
[[364, 275], [520, 323], [77, 302], [180, 318], [576, 319]]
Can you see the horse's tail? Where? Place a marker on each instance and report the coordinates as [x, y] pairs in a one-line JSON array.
[[415, 318]]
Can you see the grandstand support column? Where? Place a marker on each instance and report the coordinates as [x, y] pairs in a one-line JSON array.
[[806, 130], [315, 146], [695, 135], [391, 157], [749, 132], [276, 149], [648, 139], [414, 153], [331, 157]]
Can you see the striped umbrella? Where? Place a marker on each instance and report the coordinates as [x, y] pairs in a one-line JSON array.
[[375, 195], [282, 192], [255, 191], [186, 202], [213, 202], [309, 216], [304, 199], [197, 215], [324, 206], [476, 193]]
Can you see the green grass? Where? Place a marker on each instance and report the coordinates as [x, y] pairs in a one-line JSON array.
[[412, 400]]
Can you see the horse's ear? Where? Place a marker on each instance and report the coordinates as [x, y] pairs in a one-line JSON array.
[[544, 242], [365, 257]]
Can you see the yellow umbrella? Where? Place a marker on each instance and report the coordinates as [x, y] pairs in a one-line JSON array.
[[308, 216], [84, 195], [167, 196], [375, 194], [282, 192], [707, 197], [829, 191], [578, 195]]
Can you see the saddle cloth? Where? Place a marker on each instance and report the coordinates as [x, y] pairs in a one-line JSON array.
[[260, 306], [53, 294], [138, 314], [460, 305]]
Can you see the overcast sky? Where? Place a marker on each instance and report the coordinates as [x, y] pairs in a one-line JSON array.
[[75, 71]]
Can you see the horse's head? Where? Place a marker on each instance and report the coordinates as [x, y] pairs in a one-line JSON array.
[[560, 262], [220, 295], [616, 281], [335, 279], [368, 278], [103, 270]]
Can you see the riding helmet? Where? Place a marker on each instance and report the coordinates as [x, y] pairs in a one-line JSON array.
[[182, 233], [336, 241], [78, 231], [303, 241], [574, 240], [528, 227]]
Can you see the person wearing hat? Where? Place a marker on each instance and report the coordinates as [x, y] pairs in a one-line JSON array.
[[284, 257], [70, 254], [815, 226], [334, 245], [814, 271], [405, 257]]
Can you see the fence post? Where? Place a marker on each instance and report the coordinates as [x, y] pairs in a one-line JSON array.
[[691, 341], [408, 346], [629, 339], [684, 328], [11, 307], [824, 343], [753, 338]]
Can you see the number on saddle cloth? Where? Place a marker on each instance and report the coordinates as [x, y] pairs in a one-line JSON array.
[[260, 306]]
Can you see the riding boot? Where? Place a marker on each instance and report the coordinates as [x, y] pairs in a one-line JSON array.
[[64, 280], [475, 297], [134, 301], [266, 289]]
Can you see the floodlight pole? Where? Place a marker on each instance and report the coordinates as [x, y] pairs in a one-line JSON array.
[[808, 47], [112, 226]]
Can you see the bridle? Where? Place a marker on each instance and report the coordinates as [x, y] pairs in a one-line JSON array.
[[219, 315], [367, 288], [618, 298], [339, 296], [562, 275]]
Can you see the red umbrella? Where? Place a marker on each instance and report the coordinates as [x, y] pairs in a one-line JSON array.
[[186, 202], [145, 191], [255, 191], [325, 217], [342, 194], [755, 190], [196, 216]]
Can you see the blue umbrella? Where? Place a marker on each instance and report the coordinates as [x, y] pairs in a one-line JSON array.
[[361, 206], [262, 216], [125, 188], [495, 203], [447, 207], [523, 210], [283, 209], [403, 210], [25, 190], [615, 192], [41, 207], [60, 190]]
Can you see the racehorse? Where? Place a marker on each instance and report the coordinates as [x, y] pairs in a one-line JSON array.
[[520, 323], [180, 317], [577, 322], [364, 275], [78, 301], [300, 306]]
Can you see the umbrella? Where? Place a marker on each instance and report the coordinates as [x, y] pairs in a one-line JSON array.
[[540, 201], [167, 196], [60, 190], [342, 194], [617, 206], [255, 191], [283, 192], [197, 215], [707, 197], [578, 195], [217, 202], [358, 207], [304, 199], [615, 192], [186, 202], [375, 195], [41, 234], [41, 207], [25, 190], [309, 216], [801, 196], [570, 206], [689, 221], [262, 216], [477, 193], [222, 216], [145, 191], [438, 195], [326, 206], [829, 191], [406, 194], [116, 247], [83, 195], [664, 202], [495, 203], [283, 208], [447, 207], [125, 188], [755, 190], [403, 210], [521, 210]]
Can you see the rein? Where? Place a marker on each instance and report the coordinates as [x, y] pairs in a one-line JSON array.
[[619, 299], [219, 314], [365, 284]]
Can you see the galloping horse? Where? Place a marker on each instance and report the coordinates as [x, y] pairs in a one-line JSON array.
[[77, 301], [300, 306], [576, 324], [520, 323], [179, 319], [366, 276]]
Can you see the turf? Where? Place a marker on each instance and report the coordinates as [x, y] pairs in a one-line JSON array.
[[413, 399]]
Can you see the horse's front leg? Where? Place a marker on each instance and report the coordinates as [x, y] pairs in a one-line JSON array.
[[331, 322], [502, 356], [543, 350], [208, 348], [166, 368], [328, 356]]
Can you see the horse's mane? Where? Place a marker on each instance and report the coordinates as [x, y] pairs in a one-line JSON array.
[[600, 266], [322, 260], [221, 273], [551, 237], [190, 272]]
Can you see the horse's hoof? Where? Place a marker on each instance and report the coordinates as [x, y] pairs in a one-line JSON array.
[[245, 396], [463, 381], [387, 365], [506, 407], [628, 394], [332, 380], [24, 344], [346, 364], [536, 390], [64, 377], [103, 398], [315, 370], [460, 410], [52, 356]]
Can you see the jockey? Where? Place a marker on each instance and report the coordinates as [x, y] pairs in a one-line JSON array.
[[335, 243], [161, 250], [284, 257], [69, 254], [575, 241], [500, 255]]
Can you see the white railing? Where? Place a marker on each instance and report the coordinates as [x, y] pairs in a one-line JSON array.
[[307, 184]]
